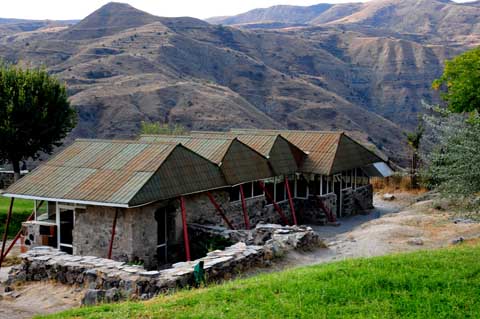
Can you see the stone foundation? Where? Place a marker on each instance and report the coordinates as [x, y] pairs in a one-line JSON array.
[[363, 198], [108, 280], [310, 213], [348, 203]]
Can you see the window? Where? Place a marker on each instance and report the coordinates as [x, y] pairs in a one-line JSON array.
[[314, 185], [234, 193], [302, 187], [247, 190], [280, 189], [325, 185], [270, 189], [257, 190]]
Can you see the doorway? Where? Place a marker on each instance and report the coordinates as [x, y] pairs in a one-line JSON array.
[[337, 189], [161, 216], [65, 222]]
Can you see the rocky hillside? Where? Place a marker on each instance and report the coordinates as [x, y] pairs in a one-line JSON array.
[[123, 66]]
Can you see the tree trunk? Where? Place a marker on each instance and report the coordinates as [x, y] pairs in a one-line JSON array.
[[16, 169], [414, 180]]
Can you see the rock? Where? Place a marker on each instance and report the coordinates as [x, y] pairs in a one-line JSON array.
[[93, 297], [388, 197], [457, 241], [112, 295], [415, 241]]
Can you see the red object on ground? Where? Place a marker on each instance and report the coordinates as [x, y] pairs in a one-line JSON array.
[[185, 229], [292, 207], [9, 217], [110, 247], [277, 208], [220, 211], [244, 207]]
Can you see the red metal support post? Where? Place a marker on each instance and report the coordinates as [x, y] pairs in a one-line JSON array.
[[290, 200], [185, 229], [17, 237], [9, 217], [220, 211], [114, 227], [244, 207], [277, 208]]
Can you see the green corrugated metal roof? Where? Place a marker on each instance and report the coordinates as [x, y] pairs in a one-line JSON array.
[[118, 173], [238, 162], [328, 152], [284, 157]]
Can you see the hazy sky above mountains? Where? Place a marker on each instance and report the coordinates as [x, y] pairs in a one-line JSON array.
[[78, 9]]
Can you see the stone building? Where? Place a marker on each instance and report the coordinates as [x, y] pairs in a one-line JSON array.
[[133, 200]]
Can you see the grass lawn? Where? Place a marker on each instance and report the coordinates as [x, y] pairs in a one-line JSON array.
[[430, 284], [21, 210]]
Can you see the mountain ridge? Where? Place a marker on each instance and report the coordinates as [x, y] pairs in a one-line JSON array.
[[123, 66]]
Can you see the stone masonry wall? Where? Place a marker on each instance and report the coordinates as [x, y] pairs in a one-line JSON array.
[[135, 235], [348, 202], [310, 213], [201, 211], [363, 197], [108, 280]]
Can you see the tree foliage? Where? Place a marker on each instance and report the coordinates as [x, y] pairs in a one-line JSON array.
[[35, 115], [454, 163], [460, 82], [162, 128]]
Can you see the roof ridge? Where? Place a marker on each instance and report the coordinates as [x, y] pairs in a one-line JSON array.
[[92, 140]]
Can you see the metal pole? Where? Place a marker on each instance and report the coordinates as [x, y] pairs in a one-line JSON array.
[[114, 227], [292, 207], [20, 231], [185, 229], [244, 207], [9, 217], [220, 211], [277, 208]]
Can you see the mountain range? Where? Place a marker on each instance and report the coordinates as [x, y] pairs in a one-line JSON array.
[[360, 67]]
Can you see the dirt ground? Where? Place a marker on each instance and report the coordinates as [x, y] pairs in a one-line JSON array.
[[400, 225], [403, 224]]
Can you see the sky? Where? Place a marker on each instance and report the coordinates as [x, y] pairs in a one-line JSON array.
[[78, 9]]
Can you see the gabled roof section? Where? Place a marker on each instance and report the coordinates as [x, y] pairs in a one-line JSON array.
[[238, 161], [112, 173], [328, 152], [214, 149], [284, 157]]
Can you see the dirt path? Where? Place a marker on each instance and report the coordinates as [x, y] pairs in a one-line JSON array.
[[393, 226]]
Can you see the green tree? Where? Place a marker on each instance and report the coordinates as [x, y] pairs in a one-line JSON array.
[[162, 128], [460, 82], [35, 115]]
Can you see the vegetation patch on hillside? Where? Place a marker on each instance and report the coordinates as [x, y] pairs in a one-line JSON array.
[[428, 284]]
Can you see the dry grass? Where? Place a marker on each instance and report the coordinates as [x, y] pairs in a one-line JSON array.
[[395, 183]]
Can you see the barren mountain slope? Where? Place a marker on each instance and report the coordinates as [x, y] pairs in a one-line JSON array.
[[120, 72]]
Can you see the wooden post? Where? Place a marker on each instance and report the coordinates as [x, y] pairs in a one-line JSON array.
[[7, 224], [244, 207], [292, 207], [20, 231], [114, 227], [220, 211], [277, 208], [185, 229]]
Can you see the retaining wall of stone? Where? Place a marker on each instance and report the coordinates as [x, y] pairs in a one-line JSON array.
[[108, 280]]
